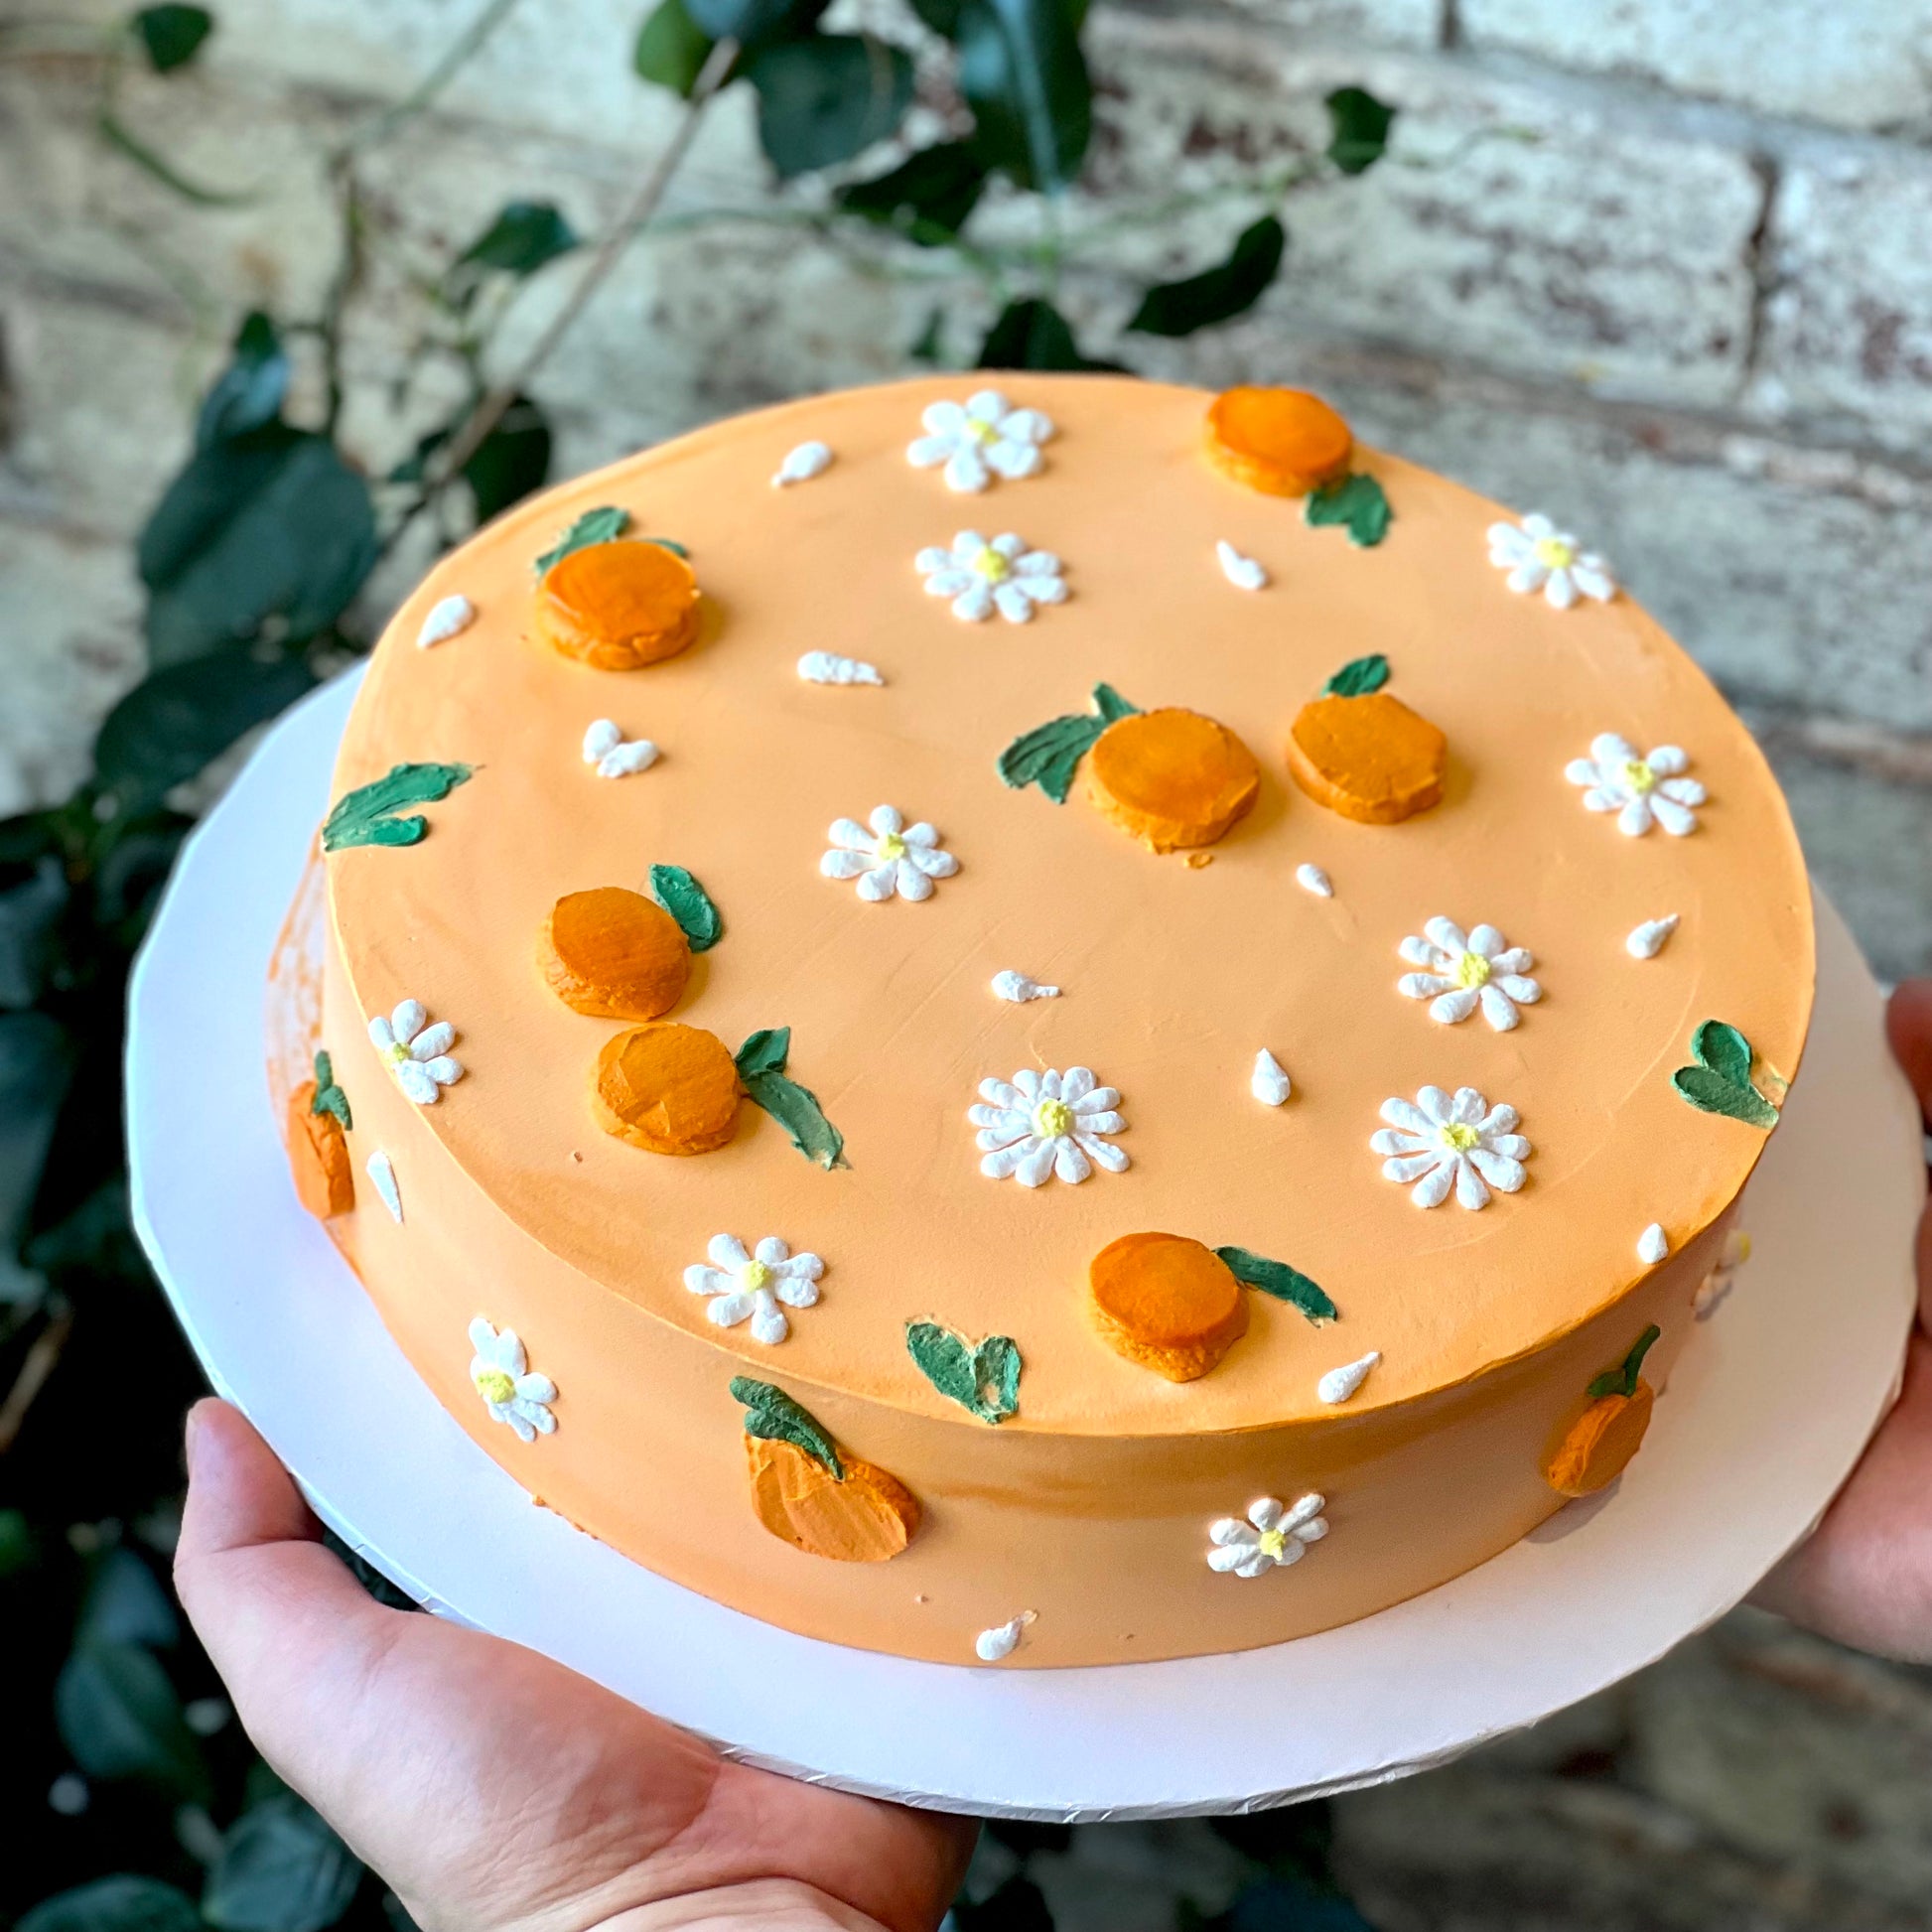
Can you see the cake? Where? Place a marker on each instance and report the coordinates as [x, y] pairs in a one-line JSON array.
[[1146, 1077]]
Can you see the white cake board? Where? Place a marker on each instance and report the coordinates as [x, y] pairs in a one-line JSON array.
[[1767, 1411]]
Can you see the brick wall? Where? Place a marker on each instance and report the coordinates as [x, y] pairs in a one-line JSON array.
[[1654, 265]]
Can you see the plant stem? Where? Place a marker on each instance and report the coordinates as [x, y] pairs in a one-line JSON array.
[[461, 50]]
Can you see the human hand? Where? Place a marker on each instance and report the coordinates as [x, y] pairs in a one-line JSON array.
[[495, 1789], [1865, 1577]]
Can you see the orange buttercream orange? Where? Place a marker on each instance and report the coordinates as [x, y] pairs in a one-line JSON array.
[[1171, 778], [1370, 758], [1598, 1444], [614, 953], [866, 1518], [325, 1182], [1171, 1303], [1283, 442], [667, 1088], [619, 605]]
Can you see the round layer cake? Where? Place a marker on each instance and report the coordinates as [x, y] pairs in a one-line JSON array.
[[1128, 1080]]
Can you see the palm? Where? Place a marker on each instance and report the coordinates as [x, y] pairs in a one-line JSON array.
[[491, 1786]]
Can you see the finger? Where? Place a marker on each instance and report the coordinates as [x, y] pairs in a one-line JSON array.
[[1908, 1025]]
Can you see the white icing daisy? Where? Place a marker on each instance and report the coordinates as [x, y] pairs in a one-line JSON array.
[[447, 619], [1442, 1142], [416, 1053], [982, 576], [802, 463], [1271, 1538], [1461, 971], [1717, 1284], [612, 755], [1638, 789], [1048, 1124], [980, 439], [892, 857], [500, 1373], [750, 1286], [1540, 557]]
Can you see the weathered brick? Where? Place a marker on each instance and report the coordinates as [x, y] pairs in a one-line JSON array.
[[1864, 64]]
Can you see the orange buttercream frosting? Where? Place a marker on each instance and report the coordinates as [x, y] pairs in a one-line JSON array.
[[532, 1198]]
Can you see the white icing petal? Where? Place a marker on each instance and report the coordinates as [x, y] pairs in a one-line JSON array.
[[1340, 1383], [802, 463], [1018, 988], [1312, 878], [382, 1172], [826, 667], [601, 739], [1244, 572], [992, 1646], [634, 754], [452, 615], [1653, 1244], [1268, 1082]]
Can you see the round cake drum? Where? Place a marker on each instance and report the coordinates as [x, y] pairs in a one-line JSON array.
[[1759, 1425]]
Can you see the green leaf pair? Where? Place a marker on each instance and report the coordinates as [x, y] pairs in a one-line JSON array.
[[1358, 677], [761, 1064], [1357, 503], [366, 815], [1278, 1279], [983, 1377], [1623, 1380], [1721, 1081], [1051, 754], [689, 905], [330, 1098], [772, 1417]]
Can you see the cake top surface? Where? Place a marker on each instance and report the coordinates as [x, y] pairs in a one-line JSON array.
[[1172, 974]]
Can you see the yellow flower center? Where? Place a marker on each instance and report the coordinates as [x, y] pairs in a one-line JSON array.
[[396, 1053], [991, 566], [1052, 1117], [1272, 1543], [1639, 776], [1459, 1137], [890, 847], [754, 1275], [1554, 554], [1471, 972], [982, 432], [494, 1385]]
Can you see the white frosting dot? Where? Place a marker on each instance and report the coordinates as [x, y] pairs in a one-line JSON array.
[[1269, 1083], [1244, 572], [1312, 878], [802, 463], [1647, 941], [827, 667], [1340, 1383], [1019, 988], [991, 1646], [453, 614], [1653, 1244]]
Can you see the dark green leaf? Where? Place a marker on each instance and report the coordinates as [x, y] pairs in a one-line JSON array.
[[1713, 1094], [19, 1547], [1022, 71], [1622, 1380], [797, 1111], [366, 816], [1018, 1906], [823, 99], [122, 1903], [511, 462], [1357, 503], [1358, 677], [119, 1718], [330, 1098], [1218, 294], [125, 1604], [519, 242], [30, 913], [984, 1379], [1111, 705], [602, 525], [942, 16], [765, 1051], [752, 21], [172, 35], [1032, 335], [772, 1417], [1358, 129], [1724, 1051], [173, 722], [273, 526], [247, 395], [1049, 754], [35, 1065], [671, 48], [1278, 1279], [690, 905], [281, 1869], [927, 196]]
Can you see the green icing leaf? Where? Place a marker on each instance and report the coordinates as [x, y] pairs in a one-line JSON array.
[[984, 1379], [1358, 677], [1049, 754], [665, 543], [1357, 503], [1721, 1081], [1724, 1051], [601, 525], [689, 905], [772, 1417], [1278, 1279], [1623, 1381], [366, 816], [761, 1065], [330, 1098]]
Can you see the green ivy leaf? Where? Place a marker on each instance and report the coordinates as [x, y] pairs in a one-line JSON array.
[[122, 1903], [690, 905], [1355, 503], [1278, 1279], [511, 462], [36, 1063], [329, 1097], [1021, 72], [765, 1051], [772, 1417], [248, 394], [926, 198], [1217, 294], [30, 917], [281, 1869], [602, 525], [983, 1378], [523, 237], [172, 35], [179, 718], [1358, 129], [1051, 754], [124, 1604], [1032, 334], [825, 98], [269, 527], [366, 815], [119, 1718], [1358, 677], [1623, 1380], [671, 49]]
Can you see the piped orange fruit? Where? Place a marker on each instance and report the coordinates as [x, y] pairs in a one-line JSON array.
[[868, 1517], [1171, 778], [1168, 1302], [1363, 754], [1281, 442], [325, 1180], [667, 1088], [617, 605], [615, 954], [1598, 1447]]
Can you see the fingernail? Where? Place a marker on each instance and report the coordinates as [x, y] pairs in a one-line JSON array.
[[196, 1427]]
